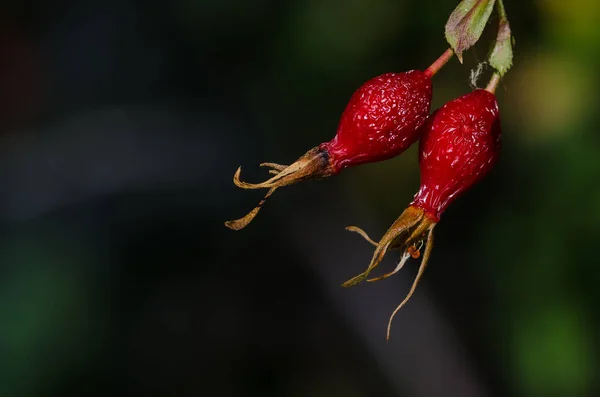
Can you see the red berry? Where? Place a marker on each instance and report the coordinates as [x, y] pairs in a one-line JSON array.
[[460, 144], [382, 119]]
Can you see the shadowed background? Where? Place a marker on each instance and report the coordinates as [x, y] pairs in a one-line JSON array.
[[121, 125]]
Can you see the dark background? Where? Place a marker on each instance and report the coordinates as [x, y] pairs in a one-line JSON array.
[[121, 124]]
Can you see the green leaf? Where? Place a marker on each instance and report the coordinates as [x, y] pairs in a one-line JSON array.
[[501, 56], [466, 23]]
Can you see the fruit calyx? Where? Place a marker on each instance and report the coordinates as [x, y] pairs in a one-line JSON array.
[[408, 234], [314, 164]]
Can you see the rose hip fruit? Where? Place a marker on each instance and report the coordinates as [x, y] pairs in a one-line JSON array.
[[381, 120], [459, 145]]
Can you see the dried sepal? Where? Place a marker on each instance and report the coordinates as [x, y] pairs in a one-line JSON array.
[[403, 259], [364, 234], [314, 164], [308, 166], [411, 231], [274, 168], [277, 168], [406, 222], [428, 247], [241, 223]]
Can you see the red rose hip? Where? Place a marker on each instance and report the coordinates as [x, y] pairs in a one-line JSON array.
[[459, 145], [381, 120]]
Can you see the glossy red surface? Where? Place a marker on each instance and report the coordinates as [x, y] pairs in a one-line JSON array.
[[381, 120], [459, 145]]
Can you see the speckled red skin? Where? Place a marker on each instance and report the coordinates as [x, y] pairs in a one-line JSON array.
[[382, 119], [459, 146]]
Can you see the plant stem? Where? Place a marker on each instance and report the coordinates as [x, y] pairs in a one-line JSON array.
[[439, 63], [493, 84]]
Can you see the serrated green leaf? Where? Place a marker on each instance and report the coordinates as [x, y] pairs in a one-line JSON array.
[[466, 23], [501, 56]]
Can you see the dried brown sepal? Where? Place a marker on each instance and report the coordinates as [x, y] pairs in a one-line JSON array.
[[422, 267], [411, 231], [355, 229], [314, 164], [364, 234], [275, 168], [403, 225], [241, 223]]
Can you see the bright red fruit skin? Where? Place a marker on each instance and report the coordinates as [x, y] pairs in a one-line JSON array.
[[459, 145], [381, 120]]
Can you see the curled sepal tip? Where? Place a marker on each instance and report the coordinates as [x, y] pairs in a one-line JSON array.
[[426, 254], [241, 223], [362, 233], [392, 239], [314, 164], [411, 231]]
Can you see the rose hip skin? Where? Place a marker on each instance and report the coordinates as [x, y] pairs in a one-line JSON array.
[[381, 120], [459, 145]]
